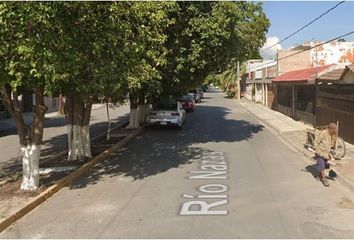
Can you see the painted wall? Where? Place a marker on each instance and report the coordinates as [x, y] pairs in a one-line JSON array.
[[52, 104], [248, 93], [259, 93], [332, 53], [329, 53]]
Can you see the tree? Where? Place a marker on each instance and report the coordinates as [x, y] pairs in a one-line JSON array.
[[26, 33], [94, 63], [148, 21], [206, 37]]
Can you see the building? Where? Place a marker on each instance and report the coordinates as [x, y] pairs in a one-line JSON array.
[[3, 112], [297, 68], [27, 101], [335, 100], [296, 93], [258, 81], [26, 105], [305, 56]]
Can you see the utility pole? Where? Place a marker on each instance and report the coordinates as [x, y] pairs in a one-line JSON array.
[[238, 81]]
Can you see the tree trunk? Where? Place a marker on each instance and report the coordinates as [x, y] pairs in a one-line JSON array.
[[30, 141], [133, 117], [78, 115], [30, 165], [61, 105], [142, 109], [109, 121]]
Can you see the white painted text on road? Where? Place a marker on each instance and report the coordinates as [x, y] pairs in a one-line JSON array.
[[212, 198]]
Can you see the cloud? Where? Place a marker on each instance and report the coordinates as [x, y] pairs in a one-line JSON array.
[[270, 53]]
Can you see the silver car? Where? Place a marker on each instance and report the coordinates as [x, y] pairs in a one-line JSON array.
[[167, 113], [196, 95]]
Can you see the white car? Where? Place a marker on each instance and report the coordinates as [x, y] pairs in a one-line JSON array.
[[167, 113]]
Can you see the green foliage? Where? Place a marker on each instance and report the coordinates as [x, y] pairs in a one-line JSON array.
[[148, 21], [109, 49], [206, 37], [28, 39]]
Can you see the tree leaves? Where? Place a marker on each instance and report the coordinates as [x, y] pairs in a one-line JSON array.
[[109, 49]]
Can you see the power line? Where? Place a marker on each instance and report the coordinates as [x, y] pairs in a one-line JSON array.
[[308, 49], [300, 29], [318, 45]]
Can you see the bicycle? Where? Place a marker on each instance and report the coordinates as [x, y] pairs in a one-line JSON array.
[[338, 151]]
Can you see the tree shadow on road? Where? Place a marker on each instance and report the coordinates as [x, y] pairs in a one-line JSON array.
[[52, 146], [160, 150]]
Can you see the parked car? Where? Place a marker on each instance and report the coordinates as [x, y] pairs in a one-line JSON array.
[[205, 88], [167, 113], [200, 91], [196, 95], [188, 103], [242, 94]]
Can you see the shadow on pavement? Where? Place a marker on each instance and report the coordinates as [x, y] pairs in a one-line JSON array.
[[53, 146], [161, 149], [312, 169]]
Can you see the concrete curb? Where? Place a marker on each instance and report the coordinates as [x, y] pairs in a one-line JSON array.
[[59, 154], [340, 177], [66, 181]]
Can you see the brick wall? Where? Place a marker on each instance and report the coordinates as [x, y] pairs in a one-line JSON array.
[[296, 62]]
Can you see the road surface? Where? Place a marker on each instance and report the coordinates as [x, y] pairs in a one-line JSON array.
[[224, 175], [55, 133]]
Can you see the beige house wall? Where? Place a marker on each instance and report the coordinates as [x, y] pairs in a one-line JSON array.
[[349, 77], [296, 62]]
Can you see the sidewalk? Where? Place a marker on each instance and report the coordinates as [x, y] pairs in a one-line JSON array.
[[8, 124], [295, 133], [54, 136]]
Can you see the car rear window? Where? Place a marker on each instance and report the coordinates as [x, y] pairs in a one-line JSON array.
[[165, 105], [187, 97], [193, 91]]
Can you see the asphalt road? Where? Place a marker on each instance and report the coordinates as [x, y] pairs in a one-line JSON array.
[[224, 175], [55, 134]]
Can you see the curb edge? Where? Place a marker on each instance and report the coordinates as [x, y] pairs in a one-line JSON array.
[[49, 192]]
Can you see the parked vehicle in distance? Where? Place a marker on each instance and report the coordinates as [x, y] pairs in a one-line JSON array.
[[242, 94], [188, 103], [200, 91], [205, 88], [167, 113], [195, 94]]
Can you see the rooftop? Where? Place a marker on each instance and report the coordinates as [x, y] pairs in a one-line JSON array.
[[335, 74], [302, 75]]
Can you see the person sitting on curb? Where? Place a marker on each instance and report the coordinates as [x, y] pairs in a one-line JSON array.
[[324, 142]]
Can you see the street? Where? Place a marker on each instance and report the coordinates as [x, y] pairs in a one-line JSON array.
[[224, 175], [55, 137]]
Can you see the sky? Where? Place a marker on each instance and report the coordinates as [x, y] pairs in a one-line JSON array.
[[286, 17]]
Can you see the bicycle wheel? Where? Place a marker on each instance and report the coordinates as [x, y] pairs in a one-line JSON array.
[[340, 150], [310, 140]]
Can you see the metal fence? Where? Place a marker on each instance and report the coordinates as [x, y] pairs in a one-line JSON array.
[[336, 103]]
